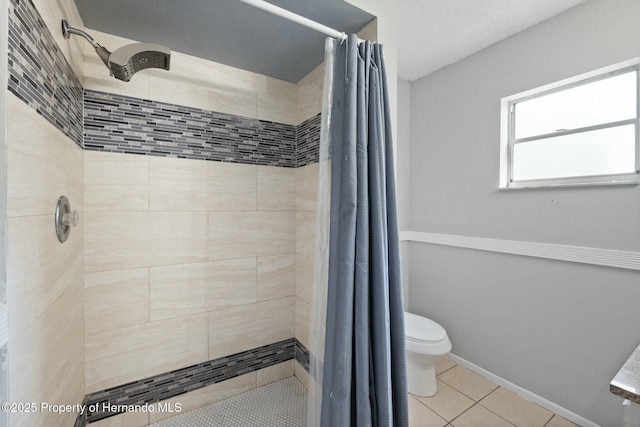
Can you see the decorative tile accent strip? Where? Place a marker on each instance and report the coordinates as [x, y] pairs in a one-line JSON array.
[[81, 419], [130, 125], [39, 74], [301, 355], [308, 141], [174, 383]]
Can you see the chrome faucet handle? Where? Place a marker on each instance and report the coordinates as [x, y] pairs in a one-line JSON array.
[[65, 218], [70, 218]]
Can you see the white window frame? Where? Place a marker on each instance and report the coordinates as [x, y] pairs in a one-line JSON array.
[[507, 132]]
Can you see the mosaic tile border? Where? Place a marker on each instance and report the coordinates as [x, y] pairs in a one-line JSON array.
[[39, 73], [164, 386], [81, 419], [301, 355], [124, 124], [41, 76], [308, 141], [129, 125]]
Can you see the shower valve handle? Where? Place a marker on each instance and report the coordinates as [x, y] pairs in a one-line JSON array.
[[65, 218], [70, 218]]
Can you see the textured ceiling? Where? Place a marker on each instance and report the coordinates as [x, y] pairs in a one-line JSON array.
[[228, 31], [436, 33]]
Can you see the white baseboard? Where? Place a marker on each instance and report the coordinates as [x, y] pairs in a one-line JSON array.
[[575, 418]]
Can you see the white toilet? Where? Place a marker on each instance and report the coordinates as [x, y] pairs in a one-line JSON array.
[[426, 342]]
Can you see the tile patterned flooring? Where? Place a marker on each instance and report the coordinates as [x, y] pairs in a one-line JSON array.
[[464, 399], [279, 404]]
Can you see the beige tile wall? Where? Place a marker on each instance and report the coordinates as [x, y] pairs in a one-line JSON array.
[[120, 355], [44, 277], [212, 186], [184, 260], [172, 249], [198, 83], [192, 263], [42, 165], [169, 241], [188, 260], [306, 191], [178, 290], [53, 12], [119, 295], [309, 94]]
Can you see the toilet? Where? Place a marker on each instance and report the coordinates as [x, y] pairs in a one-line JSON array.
[[426, 342]]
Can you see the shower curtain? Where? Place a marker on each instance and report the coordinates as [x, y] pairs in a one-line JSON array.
[[358, 374]]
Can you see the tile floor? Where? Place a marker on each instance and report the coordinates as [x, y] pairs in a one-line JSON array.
[[279, 404], [464, 399]]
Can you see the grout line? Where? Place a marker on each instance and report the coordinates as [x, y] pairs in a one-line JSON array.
[[461, 413], [464, 394], [448, 369], [493, 412], [257, 187], [429, 408], [149, 293], [523, 393], [478, 402], [209, 244], [549, 420], [208, 336], [484, 407], [257, 263]]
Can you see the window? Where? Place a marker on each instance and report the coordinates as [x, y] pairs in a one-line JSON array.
[[581, 131]]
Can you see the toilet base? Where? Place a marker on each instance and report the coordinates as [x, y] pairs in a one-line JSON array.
[[421, 379]]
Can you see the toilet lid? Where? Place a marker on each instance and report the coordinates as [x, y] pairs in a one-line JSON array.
[[418, 328]]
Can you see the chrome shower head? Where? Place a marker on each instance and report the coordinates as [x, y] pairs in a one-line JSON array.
[[127, 60], [130, 59]]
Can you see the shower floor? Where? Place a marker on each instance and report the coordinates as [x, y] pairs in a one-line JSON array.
[[463, 399], [279, 404]]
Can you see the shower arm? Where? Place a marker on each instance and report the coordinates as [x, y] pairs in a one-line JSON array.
[[67, 31], [102, 52]]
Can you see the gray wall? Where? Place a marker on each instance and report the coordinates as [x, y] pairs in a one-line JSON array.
[[403, 177], [560, 330], [403, 157]]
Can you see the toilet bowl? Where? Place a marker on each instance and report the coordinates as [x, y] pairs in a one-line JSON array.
[[426, 342]]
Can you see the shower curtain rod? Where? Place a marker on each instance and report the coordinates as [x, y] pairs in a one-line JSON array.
[[294, 17]]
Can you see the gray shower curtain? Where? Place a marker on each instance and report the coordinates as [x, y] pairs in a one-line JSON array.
[[364, 378]]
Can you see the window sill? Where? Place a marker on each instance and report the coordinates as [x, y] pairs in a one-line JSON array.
[[530, 186]]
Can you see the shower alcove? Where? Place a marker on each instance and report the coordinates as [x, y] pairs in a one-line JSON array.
[[193, 253]]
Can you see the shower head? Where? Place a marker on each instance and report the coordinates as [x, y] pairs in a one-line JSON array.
[[127, 60]]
